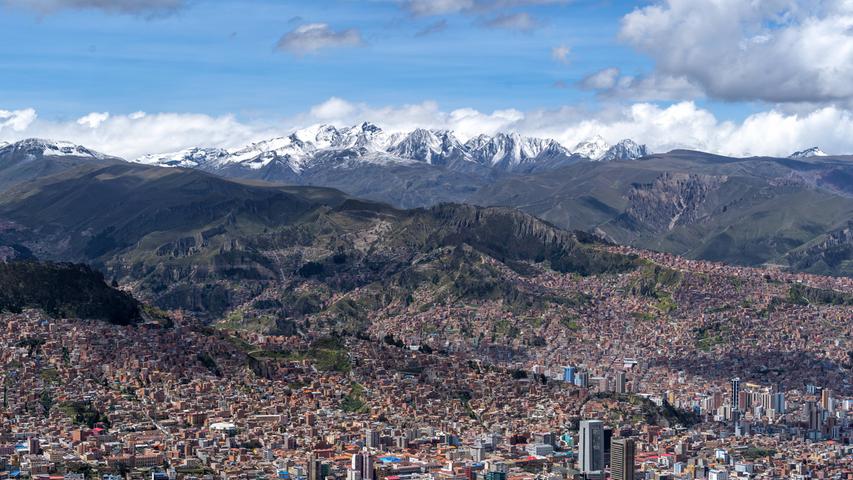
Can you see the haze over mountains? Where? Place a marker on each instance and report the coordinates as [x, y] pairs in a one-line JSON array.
[[794, 212]]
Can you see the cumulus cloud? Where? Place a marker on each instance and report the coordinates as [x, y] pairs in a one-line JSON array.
[[770, 50], [137, 7], [16, 120], [680, 125], [601, 80], [610, 83], [331, 109], [312, 37], [133, 135], [93, 119]]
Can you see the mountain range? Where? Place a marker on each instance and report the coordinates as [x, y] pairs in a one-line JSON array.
[[325, 146], [190, 240], [793, 212]]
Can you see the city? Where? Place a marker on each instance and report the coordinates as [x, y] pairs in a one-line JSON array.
[[84, 398], [426, 239]]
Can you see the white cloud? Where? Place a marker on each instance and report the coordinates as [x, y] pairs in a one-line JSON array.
[[93, 119], [16, 120], [681, 125], [312, 37], [131, 136], [561, 54], [601, 80], [768, 50], [610, 83], [331, 109]]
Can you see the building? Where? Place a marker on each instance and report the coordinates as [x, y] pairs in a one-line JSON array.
[[591, 452], [366, 466], [735, 397], [777, 402], [569, 374], [621, 383], [622, 459], [371, 438], [315, 468], [718, 475]]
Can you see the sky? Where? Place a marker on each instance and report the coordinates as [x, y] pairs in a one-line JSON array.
[[130, 77]]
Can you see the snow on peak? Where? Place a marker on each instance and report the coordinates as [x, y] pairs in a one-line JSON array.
[[593, 148], [327, 146], [429, 146], [188, 158], [507, 150], [40, 147], [808, 153], [625, 150]]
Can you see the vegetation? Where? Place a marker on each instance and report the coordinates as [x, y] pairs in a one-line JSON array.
[[753, 453], [64, 290], [709, 336], [330, 359], [800, 294], [354, 402], [571, 323], [84, 413]]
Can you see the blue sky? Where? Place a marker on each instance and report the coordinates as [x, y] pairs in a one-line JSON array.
[[219, 56], [728, 76]]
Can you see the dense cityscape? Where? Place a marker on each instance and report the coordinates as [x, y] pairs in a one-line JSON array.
[[613, 397], [426, 239]]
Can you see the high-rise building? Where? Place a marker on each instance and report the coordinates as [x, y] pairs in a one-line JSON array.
[[812, 415], [622, 459], [591, 453], [357, 464], [582, 379], [315, 468], [366, 466], [620, 383], [826, 399], [569, 374], [777, 402], [735, 396], [371, 438]]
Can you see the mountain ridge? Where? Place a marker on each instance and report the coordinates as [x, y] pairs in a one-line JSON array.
[[507, 152]]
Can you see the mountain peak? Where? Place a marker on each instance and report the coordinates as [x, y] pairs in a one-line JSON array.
[[626, 149], [808, 153], [594, 148], [41, 147]]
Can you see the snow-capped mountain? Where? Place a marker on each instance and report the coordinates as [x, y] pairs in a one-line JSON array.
[[511, 152], [811, 152], [435, 147], [301, 150], [36, 158], [33, 148], [625, 150], [189, 158], [593, 149], [325, 147]]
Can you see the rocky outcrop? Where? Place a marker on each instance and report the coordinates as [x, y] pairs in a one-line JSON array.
[[673, 199]]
